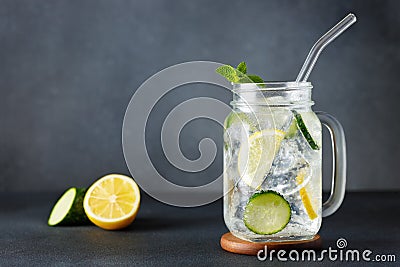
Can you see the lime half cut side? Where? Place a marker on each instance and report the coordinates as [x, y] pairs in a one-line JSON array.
[[267, 213], [257, 154]]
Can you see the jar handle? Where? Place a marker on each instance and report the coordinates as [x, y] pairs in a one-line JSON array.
[[338, 141]]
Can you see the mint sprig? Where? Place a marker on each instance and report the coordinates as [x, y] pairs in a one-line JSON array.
[[233, 75], [238, 74]]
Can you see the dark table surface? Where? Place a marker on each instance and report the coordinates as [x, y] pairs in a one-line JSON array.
[[169, 236]]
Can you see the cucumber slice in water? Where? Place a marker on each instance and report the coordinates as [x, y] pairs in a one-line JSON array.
[[68, 210], [301, 125], [266, 213]]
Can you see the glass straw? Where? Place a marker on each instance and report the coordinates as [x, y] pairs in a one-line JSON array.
[[317, 48]]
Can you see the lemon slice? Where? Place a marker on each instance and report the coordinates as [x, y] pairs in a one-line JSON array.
[[239, 117], [304, 196], [257, 154], [112, 202]]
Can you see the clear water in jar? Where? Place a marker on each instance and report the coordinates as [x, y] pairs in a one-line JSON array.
[[293, 155]]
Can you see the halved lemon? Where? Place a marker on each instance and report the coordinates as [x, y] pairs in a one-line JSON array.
[[112, 202], [257, 154]]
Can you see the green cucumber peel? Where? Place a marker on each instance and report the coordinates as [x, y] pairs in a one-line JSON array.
[[267, 213], [68, 210], [303, 129]]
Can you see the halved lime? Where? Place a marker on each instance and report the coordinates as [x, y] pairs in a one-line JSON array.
[[257, 154], [266, 213]]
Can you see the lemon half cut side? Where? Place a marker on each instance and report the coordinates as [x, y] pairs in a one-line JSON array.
[[112, 202]]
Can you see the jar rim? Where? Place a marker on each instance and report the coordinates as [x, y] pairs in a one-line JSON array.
[[272, 86]]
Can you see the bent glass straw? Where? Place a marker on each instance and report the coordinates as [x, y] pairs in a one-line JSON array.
[[317, 48]]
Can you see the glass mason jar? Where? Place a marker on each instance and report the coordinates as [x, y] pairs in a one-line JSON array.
[[273, 163]]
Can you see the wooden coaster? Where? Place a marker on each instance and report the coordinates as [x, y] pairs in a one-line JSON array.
[[233, 244]]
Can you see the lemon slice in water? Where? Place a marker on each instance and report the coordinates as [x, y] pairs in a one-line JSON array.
[[257, 154], [305, 197]]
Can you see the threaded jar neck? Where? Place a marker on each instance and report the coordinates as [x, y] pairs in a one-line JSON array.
[[273, 94]]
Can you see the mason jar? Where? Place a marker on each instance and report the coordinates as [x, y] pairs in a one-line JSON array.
[[273, 163]]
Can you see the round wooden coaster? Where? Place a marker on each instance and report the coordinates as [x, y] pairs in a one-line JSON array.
[[233, 244]]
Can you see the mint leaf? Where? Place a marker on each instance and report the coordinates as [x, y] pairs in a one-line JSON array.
[[243, 78], [228, 72], [255, 78], [242, 67], [233, 75]]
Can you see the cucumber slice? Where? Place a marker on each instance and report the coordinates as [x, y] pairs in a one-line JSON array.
[[266, 213], [68, 210], [301, 125]]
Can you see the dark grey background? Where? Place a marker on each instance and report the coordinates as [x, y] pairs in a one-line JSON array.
[[69, 68]]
